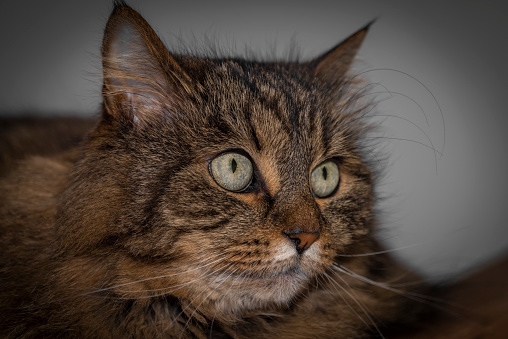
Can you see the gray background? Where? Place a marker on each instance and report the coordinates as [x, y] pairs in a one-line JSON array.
[[444, 214]]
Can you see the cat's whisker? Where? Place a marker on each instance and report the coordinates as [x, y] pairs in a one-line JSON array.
[[353, 100], [391, 93], [380, 252], [342, 269], [373, 154], [418, 127], [429, 140], [166, 292], [422, 84], [425, 299], [356, 300], [205, 298], [190, 303], [363, 92], [173, 289], [334, 285], [181, 270], [372, 84], [409, 140], [240, 276], [404, 284]]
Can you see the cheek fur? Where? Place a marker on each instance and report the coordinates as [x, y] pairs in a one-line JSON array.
[[282, 251]]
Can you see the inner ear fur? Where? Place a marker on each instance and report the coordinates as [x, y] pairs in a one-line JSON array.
[[141, 78]]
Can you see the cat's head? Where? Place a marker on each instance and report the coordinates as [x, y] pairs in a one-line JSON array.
[[221, 182]]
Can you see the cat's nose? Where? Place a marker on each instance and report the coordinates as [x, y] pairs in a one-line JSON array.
[[302, 240]]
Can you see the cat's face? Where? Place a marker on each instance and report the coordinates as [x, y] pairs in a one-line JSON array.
[[239, 182]]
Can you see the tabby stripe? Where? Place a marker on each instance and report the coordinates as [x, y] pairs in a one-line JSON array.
[[252, 129], [218, 224], [254, 86]]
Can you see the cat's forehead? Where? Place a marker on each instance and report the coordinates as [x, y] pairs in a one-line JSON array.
[[280, 83], [272, 99], [274, 107]]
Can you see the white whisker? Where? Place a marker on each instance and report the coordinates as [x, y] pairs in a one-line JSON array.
[[334, 285], [380, 252], [172, 289], [224, 297], [202, 301], [431, 301], [203, 275], [190, 303], [182, 271], [358, 302]]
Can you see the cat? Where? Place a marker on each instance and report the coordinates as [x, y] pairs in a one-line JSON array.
[[215, 198]]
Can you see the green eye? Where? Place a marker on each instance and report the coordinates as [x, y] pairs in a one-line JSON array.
[[232, 171], [325, 178]]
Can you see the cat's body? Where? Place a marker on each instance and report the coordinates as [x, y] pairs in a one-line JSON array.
[[136, 234]]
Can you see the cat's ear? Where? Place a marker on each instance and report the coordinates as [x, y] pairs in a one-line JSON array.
[[141, 78], [333, 65]]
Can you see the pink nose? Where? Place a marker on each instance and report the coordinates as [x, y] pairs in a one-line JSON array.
[[302, 240]]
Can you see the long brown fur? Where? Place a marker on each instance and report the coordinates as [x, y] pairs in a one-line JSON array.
[[129, 236]]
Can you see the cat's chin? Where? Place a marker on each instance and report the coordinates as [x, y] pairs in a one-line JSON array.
[[283, 284], [279, 287], [241, 288], [258, 293]]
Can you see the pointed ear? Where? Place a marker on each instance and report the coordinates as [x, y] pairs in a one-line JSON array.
[[141, 78], [333, 65]]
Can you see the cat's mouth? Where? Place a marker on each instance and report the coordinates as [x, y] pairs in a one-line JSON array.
[[290, 271], [259, 283], [282, 275], [278, 277], [289, 266]]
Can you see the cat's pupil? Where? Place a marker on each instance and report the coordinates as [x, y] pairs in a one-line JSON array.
[[325, 173], [234, 165]]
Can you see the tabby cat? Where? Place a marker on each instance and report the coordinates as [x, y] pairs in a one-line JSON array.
[[215, 198]]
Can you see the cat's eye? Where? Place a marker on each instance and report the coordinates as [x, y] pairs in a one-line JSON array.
[[232, 171], [324, 179]]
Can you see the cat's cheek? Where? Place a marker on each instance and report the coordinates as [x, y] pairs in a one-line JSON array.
[[313, 254]]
